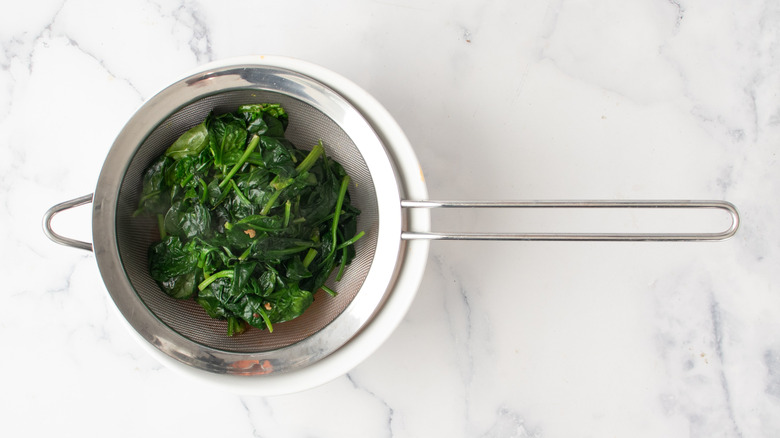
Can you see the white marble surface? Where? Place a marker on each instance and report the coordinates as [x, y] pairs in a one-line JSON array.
[[555, 99]]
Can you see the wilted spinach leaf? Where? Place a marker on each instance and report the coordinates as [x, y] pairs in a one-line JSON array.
[[187, 218], [182, 286], [227, 138], [190, 143], [171, 258], [155, 194]]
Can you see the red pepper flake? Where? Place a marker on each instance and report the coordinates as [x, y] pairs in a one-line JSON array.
[[255, 315]]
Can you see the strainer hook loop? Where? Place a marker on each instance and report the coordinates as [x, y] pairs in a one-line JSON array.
[[57, 238]]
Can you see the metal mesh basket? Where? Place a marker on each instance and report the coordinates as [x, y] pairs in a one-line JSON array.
[[135, 235], [181, 328]]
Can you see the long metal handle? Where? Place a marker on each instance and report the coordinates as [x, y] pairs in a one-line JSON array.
[[50, 213], [721, 205]]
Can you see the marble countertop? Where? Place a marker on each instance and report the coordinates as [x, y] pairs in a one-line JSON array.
[[555, 99]]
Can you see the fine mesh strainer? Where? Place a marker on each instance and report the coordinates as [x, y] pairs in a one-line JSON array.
[[335, 333]]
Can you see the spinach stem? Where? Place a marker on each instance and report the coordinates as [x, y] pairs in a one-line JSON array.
[[311, 158], [344, 254], [337, 214], [342, 265], [309, 257], [252, 145], [252, 220], [236, 325], [228, 252], [288, 251], [221, 198], [351, 241], [210, 279], [287, 207], [239, 194], [280, 184], [148, 196], [330, 291], [202, 167], [267, 320], [205, 190], [271, 201]]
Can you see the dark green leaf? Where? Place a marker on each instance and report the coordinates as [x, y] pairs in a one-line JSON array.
[[275, 126], [182, 286], [268, 281], [242, 274], [171, 258], [252, 310], [191, 143], [212, 305], [155, 192], [264, 118], [227, 136], [187, 219], [296, 270], [289, 303], [278, 158]]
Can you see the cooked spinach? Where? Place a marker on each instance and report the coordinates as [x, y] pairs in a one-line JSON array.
[[250, 226]]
